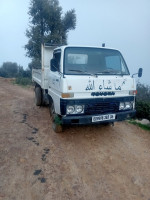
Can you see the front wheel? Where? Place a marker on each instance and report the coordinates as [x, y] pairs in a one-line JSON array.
[[56, 121], [57, 128]]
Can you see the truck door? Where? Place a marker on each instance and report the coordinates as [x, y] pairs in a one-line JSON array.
[[55, 78]]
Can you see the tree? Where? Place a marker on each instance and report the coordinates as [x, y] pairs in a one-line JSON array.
[[47, 25], [13, 70], [9, 69]]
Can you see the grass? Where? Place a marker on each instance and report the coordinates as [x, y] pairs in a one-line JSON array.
[[143, 126], [25, 82]]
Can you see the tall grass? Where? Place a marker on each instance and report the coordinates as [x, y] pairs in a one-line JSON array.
[[24, 81]]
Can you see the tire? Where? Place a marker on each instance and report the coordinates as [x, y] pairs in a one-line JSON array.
[[38, 96], [56, 125], [52, 111], [109, 124]]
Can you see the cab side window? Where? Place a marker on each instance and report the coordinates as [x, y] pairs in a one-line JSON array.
[[57, 57]]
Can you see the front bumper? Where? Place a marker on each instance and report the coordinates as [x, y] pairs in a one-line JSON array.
[[87, 119]]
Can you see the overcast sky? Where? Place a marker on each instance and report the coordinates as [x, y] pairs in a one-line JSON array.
[[121, 24]]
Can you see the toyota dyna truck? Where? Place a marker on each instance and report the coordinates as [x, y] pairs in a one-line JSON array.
[[84, 85]]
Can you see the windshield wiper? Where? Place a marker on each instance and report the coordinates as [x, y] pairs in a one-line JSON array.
[[75, 70], [110, 71], [106, 72]]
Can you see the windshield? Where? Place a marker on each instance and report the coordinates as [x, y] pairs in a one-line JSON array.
[[86, 60]]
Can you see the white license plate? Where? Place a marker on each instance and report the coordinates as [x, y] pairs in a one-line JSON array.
[[103, 117]]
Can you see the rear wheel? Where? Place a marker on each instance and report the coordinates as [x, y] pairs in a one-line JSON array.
[[56, 121], [38, 96]]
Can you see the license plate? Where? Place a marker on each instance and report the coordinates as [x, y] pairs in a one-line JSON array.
[[103, 117]]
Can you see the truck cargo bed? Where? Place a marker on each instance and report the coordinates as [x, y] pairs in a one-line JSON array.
[[37, 76]]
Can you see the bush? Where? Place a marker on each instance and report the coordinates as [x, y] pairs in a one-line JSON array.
[[13, 70], [23, 81], [143, 110], [143, 101], [143, 93]]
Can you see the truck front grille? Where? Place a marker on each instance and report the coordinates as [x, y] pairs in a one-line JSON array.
[[101, 108], [96, 105]]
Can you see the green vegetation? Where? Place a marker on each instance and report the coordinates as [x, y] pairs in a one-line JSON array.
[[9, 70], [142, 106], [23, 81], [47, 25], [143, 126], [13, 70], [143, 101], [143, 110], [58, 120]]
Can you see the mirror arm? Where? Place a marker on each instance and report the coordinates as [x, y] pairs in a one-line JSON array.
[[134, 74], [61, 74]]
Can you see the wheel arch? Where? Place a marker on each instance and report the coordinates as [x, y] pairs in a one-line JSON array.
[[56, 100]]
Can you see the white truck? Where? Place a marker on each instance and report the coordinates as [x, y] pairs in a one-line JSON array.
[[84, 85]]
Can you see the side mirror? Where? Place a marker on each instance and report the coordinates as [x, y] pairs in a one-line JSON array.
[[53, 65], [140, 72]]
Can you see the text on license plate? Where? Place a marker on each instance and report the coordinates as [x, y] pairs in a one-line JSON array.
[[103, 117]]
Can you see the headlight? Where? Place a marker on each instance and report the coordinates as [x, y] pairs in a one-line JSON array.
[[70, 109], [79, 109], [126, 105], [75, 109], [121, 106]]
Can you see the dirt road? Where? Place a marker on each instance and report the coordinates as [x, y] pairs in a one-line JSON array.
[[82, 163]]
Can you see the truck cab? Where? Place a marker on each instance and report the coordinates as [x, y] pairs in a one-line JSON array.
[[85, 85]]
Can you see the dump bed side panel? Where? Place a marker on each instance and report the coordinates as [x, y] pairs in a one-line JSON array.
[[41, 76], [37, 76]]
